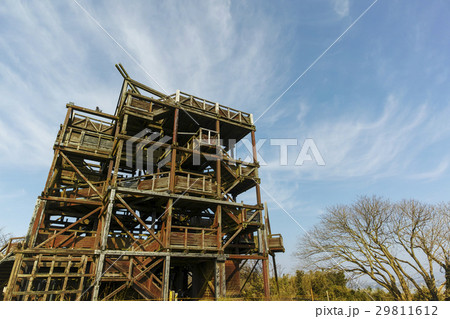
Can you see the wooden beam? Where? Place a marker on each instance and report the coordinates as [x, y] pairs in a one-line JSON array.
[[69, 227], [183, 197], [162, 254], [139, 219], [232, 237], [72, 200], [91, 111], [81, 175]]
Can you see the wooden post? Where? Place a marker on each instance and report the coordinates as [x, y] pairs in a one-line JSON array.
[[223, 278], [117, 163], [103, 244], [276, 274], [255, 161], [265, 261], [166, 277], [220, 279], [174, 150], [35, 221], [13, 277], [98, 275], [172, 180], [217, 293], [107, 219], [219, 192], [265, 269]]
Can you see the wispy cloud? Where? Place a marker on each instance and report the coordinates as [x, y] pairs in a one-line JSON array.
[[48, 51], [433, 173], [341, 7], [42, 67], [355, 145], [199, 49]]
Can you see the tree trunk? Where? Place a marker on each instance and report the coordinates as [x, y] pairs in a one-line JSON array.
[[447, 278]]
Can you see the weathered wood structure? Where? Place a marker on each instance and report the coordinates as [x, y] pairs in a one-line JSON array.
[[142, 205]]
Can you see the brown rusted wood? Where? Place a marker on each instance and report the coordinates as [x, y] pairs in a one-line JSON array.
[[139, 219], [69, 227], [101, 222]]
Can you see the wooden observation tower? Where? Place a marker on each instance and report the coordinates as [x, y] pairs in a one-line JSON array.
[[143, 204]]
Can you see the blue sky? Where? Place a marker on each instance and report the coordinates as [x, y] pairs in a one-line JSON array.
[[376, 104]]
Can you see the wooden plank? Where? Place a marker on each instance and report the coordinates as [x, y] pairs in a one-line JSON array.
[[57, 275], [184, 197], [49, 292], [162, 254], [91, 111], [72, 200]]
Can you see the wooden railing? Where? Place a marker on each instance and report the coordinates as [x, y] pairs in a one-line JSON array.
[[244, 215], [155, 182], [212, 107], [194, 182], [196, 238], [138, 103], [81, 191], [91, 124], [208, 137], [70, 238], [251, 215], [81, 139], [275, 242], [184, 182]]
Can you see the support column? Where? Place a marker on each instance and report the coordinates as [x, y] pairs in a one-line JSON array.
[[223, 278], [98, 276], [265, 261], [169, 207], [265, 270], [174, 150], [35, 222], [275, 272], [220, 283], [219, 191], [217, 292], [103, 245], [13, 277], [168, 223], [255, 161], [166, 277]]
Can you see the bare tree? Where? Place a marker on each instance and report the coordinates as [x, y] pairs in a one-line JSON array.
[[3, 241], [398, 246], [3, 238]]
